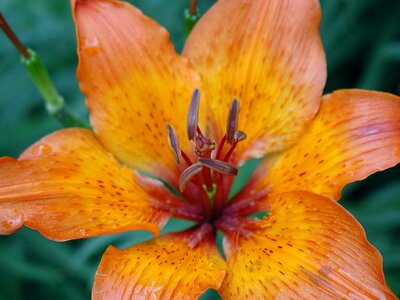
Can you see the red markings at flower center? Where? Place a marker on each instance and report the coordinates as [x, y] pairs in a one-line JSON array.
[[207, 180]]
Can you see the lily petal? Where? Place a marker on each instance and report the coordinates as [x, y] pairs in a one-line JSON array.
[[134, 82], [67, 186], [308, 248], [168, 267], [267, 54], [355, 134]]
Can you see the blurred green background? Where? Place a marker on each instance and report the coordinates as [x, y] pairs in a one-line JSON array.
[[362, 43]]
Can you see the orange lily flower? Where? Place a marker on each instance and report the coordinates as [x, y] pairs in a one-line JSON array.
[[261, 70]]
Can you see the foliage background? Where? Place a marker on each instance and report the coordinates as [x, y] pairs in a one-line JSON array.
[[362, 43]]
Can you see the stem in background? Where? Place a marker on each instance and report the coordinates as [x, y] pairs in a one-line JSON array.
[[193, 7], [13, 38], [38, 73], [190, 17], [55, 104]]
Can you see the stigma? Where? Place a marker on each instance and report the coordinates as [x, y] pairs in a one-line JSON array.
[[208, 171]]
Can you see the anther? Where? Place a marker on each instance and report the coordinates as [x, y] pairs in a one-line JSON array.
[[193, 114], [174, 143], [232, 122], [188, 174], [219, 166], [239, 136]]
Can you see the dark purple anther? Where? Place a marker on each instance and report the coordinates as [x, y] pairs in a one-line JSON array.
[[219, 166], [239, 136], [232, 122], [188, 174], [193, 114], [174, 143]]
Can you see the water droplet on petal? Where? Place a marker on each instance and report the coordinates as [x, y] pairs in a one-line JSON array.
[[83, 232], [45, 150], [91, 46]]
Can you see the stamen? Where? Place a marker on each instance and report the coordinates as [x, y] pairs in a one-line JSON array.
[[188, 174], [232, 122], [193, 114], [219, 166], [230, 151], [208, 191], [174, 143], [239, 136]]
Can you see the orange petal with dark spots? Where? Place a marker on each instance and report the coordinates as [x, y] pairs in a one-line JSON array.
[[355, 134], [134, 83], [308, 248], [168, 267], [267, 54], [67, 186]]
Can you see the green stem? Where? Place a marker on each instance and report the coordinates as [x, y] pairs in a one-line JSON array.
[[38, 73], [55, 104]]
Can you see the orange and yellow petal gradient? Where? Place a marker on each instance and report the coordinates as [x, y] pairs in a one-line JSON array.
[[67, 186], [268, 54], [167, 267], [134, 83], [308, 248], [355, 134]]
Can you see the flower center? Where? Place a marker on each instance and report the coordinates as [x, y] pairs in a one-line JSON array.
[[207, 180]]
